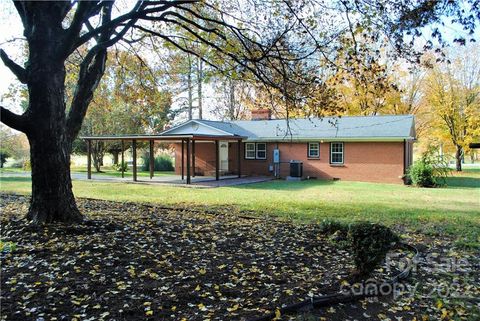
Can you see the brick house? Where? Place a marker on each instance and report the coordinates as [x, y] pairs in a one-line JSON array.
[[360, 148]]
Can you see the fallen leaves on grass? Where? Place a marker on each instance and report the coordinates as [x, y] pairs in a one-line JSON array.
[[132, 261]]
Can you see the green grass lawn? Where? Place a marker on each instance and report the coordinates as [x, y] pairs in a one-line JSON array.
[[454, 209]]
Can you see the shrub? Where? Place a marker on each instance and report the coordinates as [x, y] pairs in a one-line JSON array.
[[430, 170], [26, 165], [369, 243], [421, 174], [161, 163], [118, 167]]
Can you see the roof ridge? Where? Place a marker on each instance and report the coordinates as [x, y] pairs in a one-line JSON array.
[[213, 121], [338, 116]]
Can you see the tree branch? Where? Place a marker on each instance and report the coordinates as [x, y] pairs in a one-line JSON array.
[[140, 10], [17, 70], [85, 10], [18, 122], [91, 71]]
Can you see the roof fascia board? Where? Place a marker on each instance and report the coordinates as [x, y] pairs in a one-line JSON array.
[[132, 137], [175, 127], [200, 123], [329, 139]]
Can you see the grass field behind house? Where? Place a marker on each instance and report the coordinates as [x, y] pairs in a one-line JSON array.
[[454, 209]]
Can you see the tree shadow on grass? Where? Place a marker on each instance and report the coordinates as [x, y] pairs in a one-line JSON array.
[[463, 182], [15, 179], [283, 185]]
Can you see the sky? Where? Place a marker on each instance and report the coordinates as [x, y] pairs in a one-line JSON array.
[[10, 28]]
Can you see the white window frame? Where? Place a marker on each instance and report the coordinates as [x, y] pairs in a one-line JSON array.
[[310, 149], [251, 150], [260, 150], [337, 153]]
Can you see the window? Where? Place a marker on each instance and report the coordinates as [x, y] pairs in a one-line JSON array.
[[250, 150], [261, 151], [313, 150], [255, 150], [336, 153]]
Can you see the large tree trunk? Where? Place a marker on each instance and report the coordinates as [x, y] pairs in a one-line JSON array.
[[52, 196], [50, 147], [458, 158], [50, 142]]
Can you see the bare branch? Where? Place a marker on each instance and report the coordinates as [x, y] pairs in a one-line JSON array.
[[85, 10], [141, 9], [178, 46], [17, 70]]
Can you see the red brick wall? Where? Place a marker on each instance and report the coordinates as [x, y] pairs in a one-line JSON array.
[[363, 161], [370, 162], [204, 158]]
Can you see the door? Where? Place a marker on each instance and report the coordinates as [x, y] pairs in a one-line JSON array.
[[223, 155]]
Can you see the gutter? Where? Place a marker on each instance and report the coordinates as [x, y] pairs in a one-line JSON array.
[[288, 139]]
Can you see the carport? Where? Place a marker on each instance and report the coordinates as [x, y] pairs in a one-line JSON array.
[[187, 142]]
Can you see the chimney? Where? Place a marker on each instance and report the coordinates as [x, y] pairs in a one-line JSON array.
[[261, 114]]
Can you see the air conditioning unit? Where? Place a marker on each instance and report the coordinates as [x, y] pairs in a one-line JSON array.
[[296, 168]]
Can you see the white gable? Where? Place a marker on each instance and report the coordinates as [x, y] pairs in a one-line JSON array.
[[193, 127]]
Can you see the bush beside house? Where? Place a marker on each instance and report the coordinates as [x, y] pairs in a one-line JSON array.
[[161, 163]]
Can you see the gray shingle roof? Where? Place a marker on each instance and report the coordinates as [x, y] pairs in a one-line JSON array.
[[345, 127]]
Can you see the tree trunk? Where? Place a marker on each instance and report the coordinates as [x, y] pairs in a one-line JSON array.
[[52, 196], [97, 155], [115, 156], [190, 89], [231, 107], [199, 88], [49, 138], [458, 158]]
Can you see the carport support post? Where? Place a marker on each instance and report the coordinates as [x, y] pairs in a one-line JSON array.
[[239, 157], [123, 158], [134, 156], [89, 159], [217, 159], [193, 157], [152, 159], [188, 161], [183, 156]]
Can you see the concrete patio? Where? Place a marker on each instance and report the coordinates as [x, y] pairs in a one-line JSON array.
[[173, 180], [176, 180]]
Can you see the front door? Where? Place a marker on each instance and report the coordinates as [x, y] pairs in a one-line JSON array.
[[223, 153]]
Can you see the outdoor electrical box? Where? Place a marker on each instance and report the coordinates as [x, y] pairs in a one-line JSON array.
[[276, 156]]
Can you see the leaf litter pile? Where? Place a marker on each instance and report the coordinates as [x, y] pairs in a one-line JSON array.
[[131, 261]]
